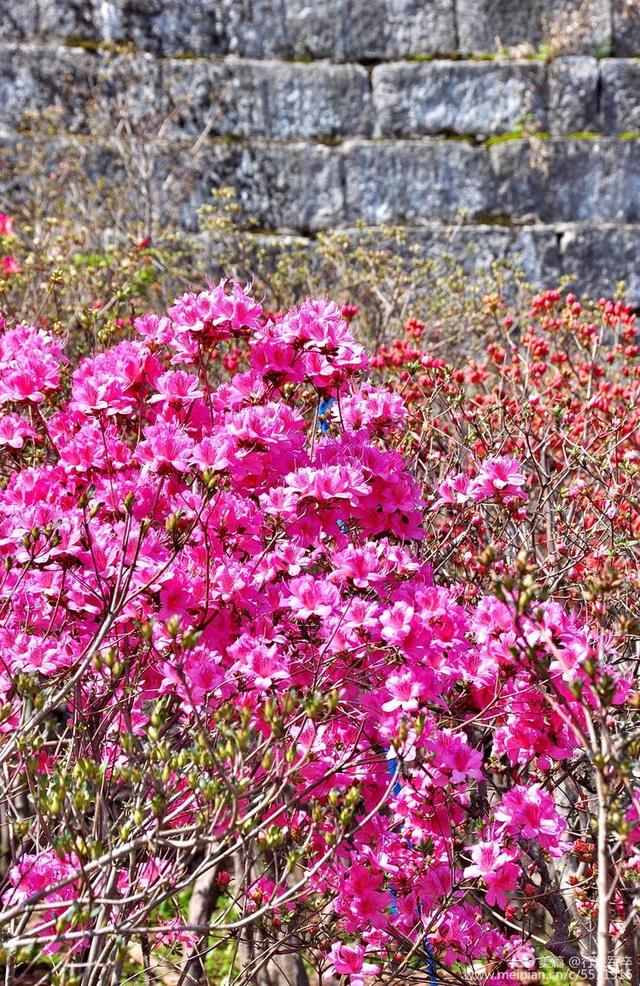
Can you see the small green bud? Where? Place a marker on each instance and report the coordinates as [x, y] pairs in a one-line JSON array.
[[173, 626]]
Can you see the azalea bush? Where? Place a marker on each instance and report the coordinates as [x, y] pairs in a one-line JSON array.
[[294, 668], [556, 387]]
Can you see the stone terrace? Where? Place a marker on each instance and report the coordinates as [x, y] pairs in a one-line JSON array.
[[491, 128]]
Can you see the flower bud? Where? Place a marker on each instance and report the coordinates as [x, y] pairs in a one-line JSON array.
[[173, 626]]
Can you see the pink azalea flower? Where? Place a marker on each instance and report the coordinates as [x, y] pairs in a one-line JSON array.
[[278, 626], [349, 960], [176, 387], [34, 874], [455, 490], [328, 483], [6, 224], [396, 623], [216, 313], [200, 675], [31, 383], [377, 409], [14, 430], [154, 328], [10, 265], [500, 479], [311, 597], [166, 446], [455, 760], [30, 363], [496, 868], [260, 664], [531, 812], [406, 691], [361, 565]]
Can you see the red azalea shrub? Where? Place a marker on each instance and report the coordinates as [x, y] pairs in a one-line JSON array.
[[226, 657], [556, 400]]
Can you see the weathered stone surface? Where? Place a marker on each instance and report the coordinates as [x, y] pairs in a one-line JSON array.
[[348, 29], [293, 101], [534, 250], [274, 90], [414, 181], [478, 98], [601, 256], [77, 90], [25, 168], [306, 187], [284, 187], [17, 23], [283, 101], [336, 29], [295, 187], [149, 24], [620, 95], [598, 256], [300, 187], [281, 186], [570, 26], [573, 94], [44, 19], [626, 27], [31, 84], [231, 97], [569, 180]]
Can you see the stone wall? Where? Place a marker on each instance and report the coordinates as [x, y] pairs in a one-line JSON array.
[[491, 128]]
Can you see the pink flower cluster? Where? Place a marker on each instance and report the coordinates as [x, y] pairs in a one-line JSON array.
[[226, 553], [30, 364], [500, 479]]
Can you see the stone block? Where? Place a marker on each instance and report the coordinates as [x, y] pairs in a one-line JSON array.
[[337, 29], [417, 181], [448, 97], [626, 27], [33, 81], [363, 29], [531, 249], [280, 187], [148, 24], [573, 94], [587, 180], [277, 100], [620, 95], [565, 26], [77, 91], [601, 256], [47, 19], [294, 187]]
